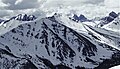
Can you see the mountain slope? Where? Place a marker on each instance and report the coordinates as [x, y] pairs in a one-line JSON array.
[[47, 43], [114, 25], [106, 20]]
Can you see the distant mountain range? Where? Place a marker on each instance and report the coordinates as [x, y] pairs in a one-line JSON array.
[[20, 17], [103, 20]]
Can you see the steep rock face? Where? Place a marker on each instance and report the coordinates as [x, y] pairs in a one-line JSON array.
[[114, 25], [80, 18], [1, 20], [25, 17], [46, 43], [20, 17], [83, 18], [112, 15]]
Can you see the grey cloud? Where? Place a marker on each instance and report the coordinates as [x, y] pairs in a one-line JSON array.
[[91, 7], [9, 1], [28, 4], [93, 1], [54, 3], [25, 4], [4, 13]]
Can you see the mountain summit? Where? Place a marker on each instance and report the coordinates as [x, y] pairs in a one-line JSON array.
[[25, 17], [112, 15], [80, 18]]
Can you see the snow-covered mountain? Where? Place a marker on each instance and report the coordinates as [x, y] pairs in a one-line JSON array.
[[25, 17], [80, 18], [105, 20], [19, 17], [56, 42], [1, 20], [114, 25], [97, 21]]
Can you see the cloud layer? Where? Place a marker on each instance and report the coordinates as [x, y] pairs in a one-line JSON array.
[[112, 3], [88, 7]]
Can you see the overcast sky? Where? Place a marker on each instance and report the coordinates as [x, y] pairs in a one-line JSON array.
[[90, 8]]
